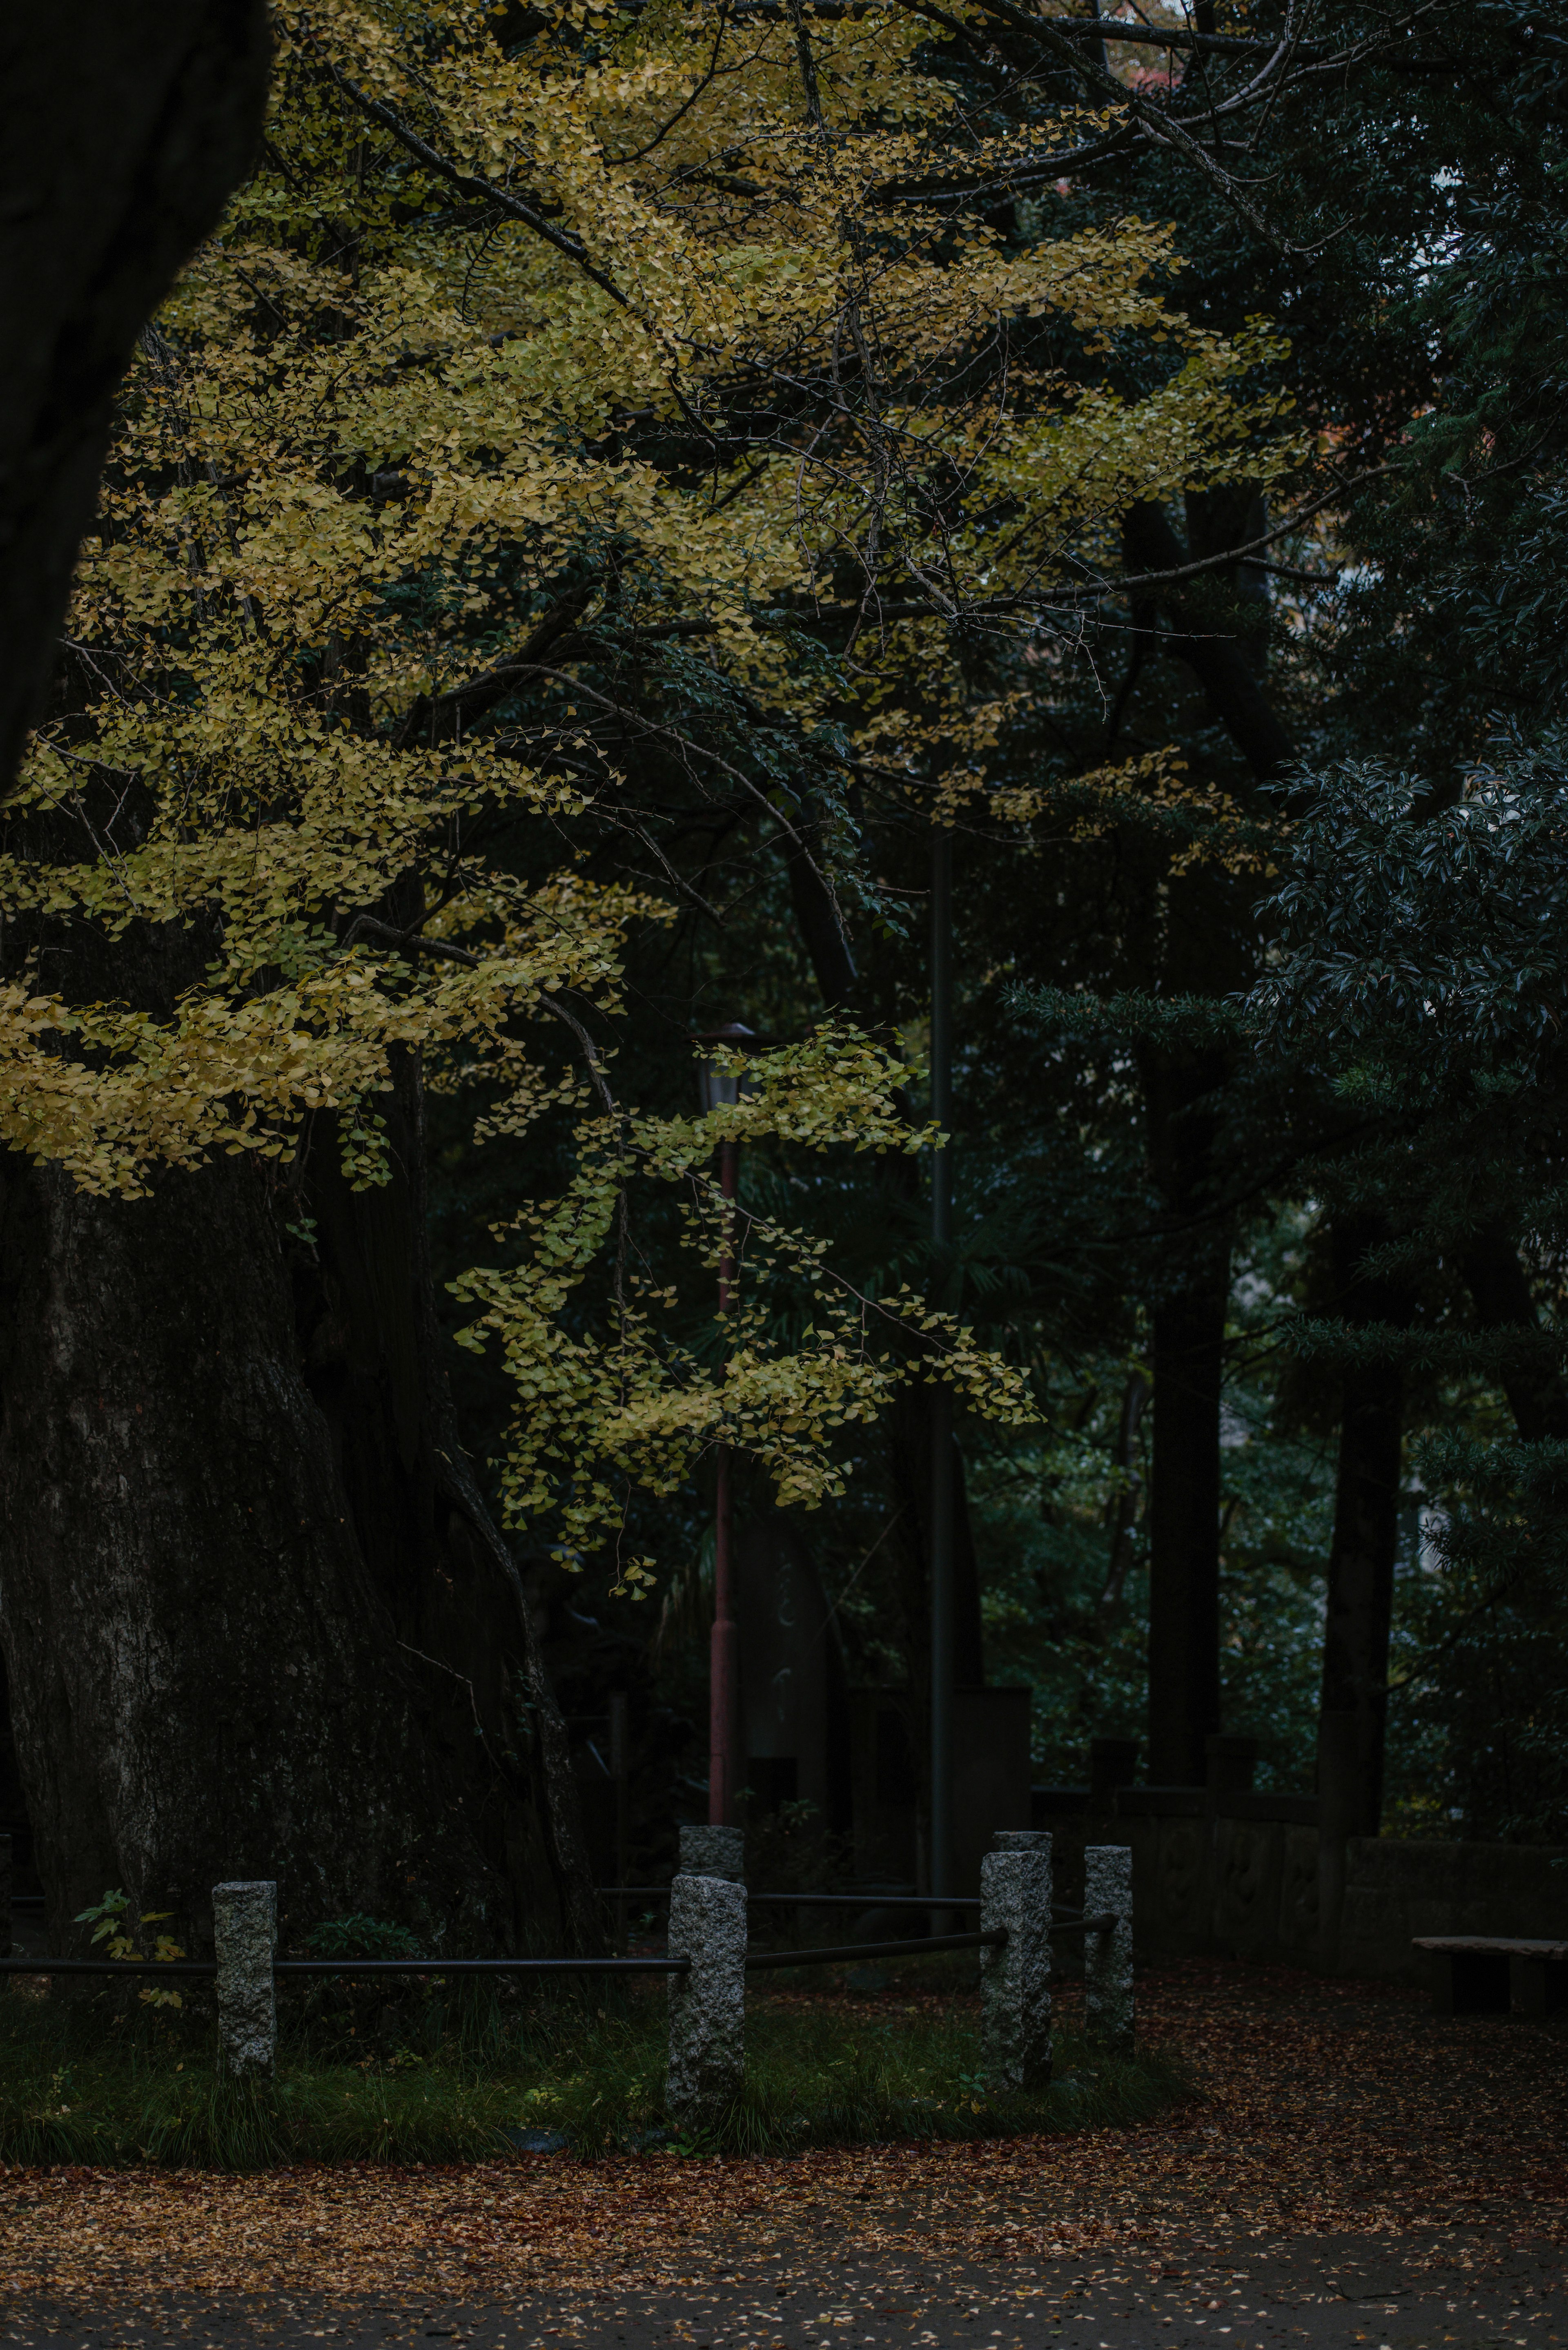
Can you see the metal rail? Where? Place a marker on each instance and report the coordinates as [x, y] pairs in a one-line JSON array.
[[165, 1968], [811, 1901], [862, 1901], [481, 1966], [845, 1951], [207, 1966], [921, 1946], [1069, 1920]]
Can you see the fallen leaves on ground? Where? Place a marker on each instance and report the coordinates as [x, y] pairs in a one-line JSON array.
[[1321, 2108]]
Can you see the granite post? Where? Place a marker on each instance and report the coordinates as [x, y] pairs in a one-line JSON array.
[[245, 1936], [707, 2003], [1109, 1955], [714, 1852], [1015, 1976]]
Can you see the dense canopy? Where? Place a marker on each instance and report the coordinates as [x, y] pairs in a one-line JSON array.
[[617, 485]]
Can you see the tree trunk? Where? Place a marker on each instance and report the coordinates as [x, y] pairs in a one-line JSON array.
[[1222, 662], [1503, 1300], [1209, 952], [1184, 1531], [909, 1627], [1123, 1513], [817, 916], [252, 1617], [126, 126], [1187, 1364], [1354, 1705]]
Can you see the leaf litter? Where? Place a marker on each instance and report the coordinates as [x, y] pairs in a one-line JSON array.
[[1337, 2112]]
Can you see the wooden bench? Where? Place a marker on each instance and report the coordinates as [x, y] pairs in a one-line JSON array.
[[1496, 1974]]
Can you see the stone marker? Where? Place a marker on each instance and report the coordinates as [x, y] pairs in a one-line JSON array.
[[1015, 1979], [707, 2004], [245, 1936], [714, 1852], [1108, 1958]]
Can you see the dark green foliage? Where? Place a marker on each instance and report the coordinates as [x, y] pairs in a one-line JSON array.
[[1380, 1017], [361, 1937]]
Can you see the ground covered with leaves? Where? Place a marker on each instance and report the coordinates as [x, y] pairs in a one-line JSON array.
[[1348, 2169]]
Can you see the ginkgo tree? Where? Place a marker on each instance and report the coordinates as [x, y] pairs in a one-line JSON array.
[[571, 396]]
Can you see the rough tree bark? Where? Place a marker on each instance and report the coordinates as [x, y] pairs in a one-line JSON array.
[[126, 124], [251, 1627], [255, 1618], [253, 1610]]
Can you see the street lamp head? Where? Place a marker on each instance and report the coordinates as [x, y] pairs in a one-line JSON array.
[[722, 1088]]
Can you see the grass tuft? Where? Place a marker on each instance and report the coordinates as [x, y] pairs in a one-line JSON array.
[[445, 2079]]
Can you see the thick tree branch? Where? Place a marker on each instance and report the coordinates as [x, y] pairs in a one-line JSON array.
[[126, 124], [439, 721]]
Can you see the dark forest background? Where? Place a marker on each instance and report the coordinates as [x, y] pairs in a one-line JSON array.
[[1260, 1151], [1316, 1113]]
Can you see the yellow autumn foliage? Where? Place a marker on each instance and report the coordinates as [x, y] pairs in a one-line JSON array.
[[561, 373]]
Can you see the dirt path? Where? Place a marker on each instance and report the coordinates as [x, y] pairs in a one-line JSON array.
[[1355, 2172]]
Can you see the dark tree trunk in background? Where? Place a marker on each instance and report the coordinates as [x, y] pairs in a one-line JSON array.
[[126, 124], [1503, 1300], [374, 1350], [822, 931], [1184, 1534], [909, 1443], [1184, 1467], [1207, 955], [1224, 661], [1353, 1719], [910, 1480], [1123, 1515]]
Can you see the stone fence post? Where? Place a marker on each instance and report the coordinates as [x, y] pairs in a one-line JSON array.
[[714, 1852], [708, 2003], [245, 1938], [1015, 1979], [4, 1896], [1108, 1956]]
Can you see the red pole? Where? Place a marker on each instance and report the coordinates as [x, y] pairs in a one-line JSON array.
[[725, 1762]]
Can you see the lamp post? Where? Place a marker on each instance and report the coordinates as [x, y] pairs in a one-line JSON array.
[[726, 1763], [941, 1423]]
